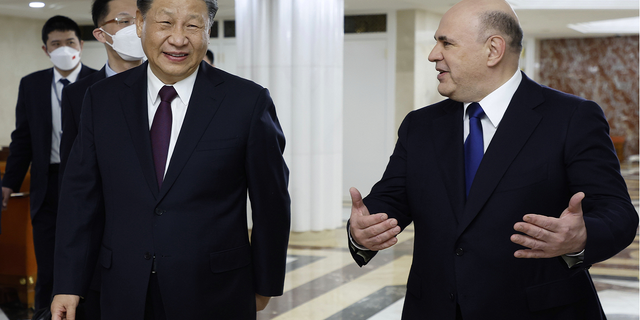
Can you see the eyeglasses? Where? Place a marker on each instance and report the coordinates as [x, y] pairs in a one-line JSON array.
[[125, 20]]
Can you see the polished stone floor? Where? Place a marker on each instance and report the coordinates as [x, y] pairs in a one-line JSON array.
[[323, 282]]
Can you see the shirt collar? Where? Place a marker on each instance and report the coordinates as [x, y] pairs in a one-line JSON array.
[[72, 77], [184, 87], [108, 71], [495, 104]]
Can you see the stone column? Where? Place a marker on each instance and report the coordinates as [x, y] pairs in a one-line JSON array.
[[295, 48], [416, 77]]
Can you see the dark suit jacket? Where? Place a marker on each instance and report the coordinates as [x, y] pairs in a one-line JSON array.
[[71, 104], [31, 140], [196, 224], [548, 146]]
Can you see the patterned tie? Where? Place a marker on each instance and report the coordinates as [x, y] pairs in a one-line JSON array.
[[161, 131], [474, 146]]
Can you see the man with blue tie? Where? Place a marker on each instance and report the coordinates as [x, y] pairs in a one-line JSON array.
[[36, 141], [514, 188], [155, 189]]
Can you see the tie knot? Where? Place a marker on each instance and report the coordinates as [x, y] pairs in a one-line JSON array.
[[167, 94], [64, 82], [475, 110]]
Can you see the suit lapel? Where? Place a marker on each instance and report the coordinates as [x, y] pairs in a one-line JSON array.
[[203, 105], [447, 131], [135, 109], [515, 128]]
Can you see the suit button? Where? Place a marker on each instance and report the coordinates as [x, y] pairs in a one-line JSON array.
[[459, 252], [159, 211], [147, 256]]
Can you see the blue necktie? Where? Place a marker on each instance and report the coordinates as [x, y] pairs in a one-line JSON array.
[[64, 82], [474, 145], [161, 131]]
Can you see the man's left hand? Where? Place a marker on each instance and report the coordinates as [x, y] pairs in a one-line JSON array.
[[261, 302], [549, 237]]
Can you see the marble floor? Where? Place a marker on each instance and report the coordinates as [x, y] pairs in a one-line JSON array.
[[323, 282]]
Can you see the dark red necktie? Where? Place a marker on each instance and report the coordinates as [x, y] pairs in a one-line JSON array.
[[161, 131]]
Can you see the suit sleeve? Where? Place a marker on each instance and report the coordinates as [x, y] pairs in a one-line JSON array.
[[268, 178], [20, 149], [69, 130], [80, 221], [593, 168], [389, 195]]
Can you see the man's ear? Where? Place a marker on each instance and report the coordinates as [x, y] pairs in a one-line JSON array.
[[99, 35], [44, 48], [497, 47], [139, 23]]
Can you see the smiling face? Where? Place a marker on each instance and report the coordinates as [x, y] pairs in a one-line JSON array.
[[174, 34]]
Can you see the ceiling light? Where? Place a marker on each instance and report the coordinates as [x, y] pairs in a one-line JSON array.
[[617, 26], [36, 4]]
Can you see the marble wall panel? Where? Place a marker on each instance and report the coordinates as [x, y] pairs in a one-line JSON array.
[[604, 70]]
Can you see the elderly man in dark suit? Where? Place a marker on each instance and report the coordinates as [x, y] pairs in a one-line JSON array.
[[36, 141], [157, 181], [503, 153]]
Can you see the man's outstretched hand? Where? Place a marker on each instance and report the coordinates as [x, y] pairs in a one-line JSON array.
[[373, 231], [548, 237]]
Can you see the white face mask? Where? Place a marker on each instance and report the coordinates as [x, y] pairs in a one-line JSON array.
[[65, 58], [127, 44]]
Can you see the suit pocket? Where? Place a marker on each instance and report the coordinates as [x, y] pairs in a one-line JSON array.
[[105, 257], [560, 292], [217, 144], [231, 259], [520, 179]]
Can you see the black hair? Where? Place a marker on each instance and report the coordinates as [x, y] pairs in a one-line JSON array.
[[210, 55], [99, 11], [212, 5], [504, 23], [59, 23]]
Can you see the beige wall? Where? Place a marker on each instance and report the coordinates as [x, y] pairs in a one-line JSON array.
[[416, 77], [21, 44]]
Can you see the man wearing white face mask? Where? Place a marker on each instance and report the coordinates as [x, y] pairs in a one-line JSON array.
[[114, 26], [36, 140]]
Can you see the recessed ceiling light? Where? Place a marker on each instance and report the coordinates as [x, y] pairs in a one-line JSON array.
[[36, 4], [617, 26]]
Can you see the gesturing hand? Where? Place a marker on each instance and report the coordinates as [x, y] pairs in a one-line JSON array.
[[373, 231], [551, 237]]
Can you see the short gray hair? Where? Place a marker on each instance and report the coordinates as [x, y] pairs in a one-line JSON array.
[[212, 5], [505, 24]]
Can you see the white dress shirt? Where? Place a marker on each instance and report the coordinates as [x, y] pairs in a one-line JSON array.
[[56, 111], [494, 105], [178, 105], [108, 71]]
